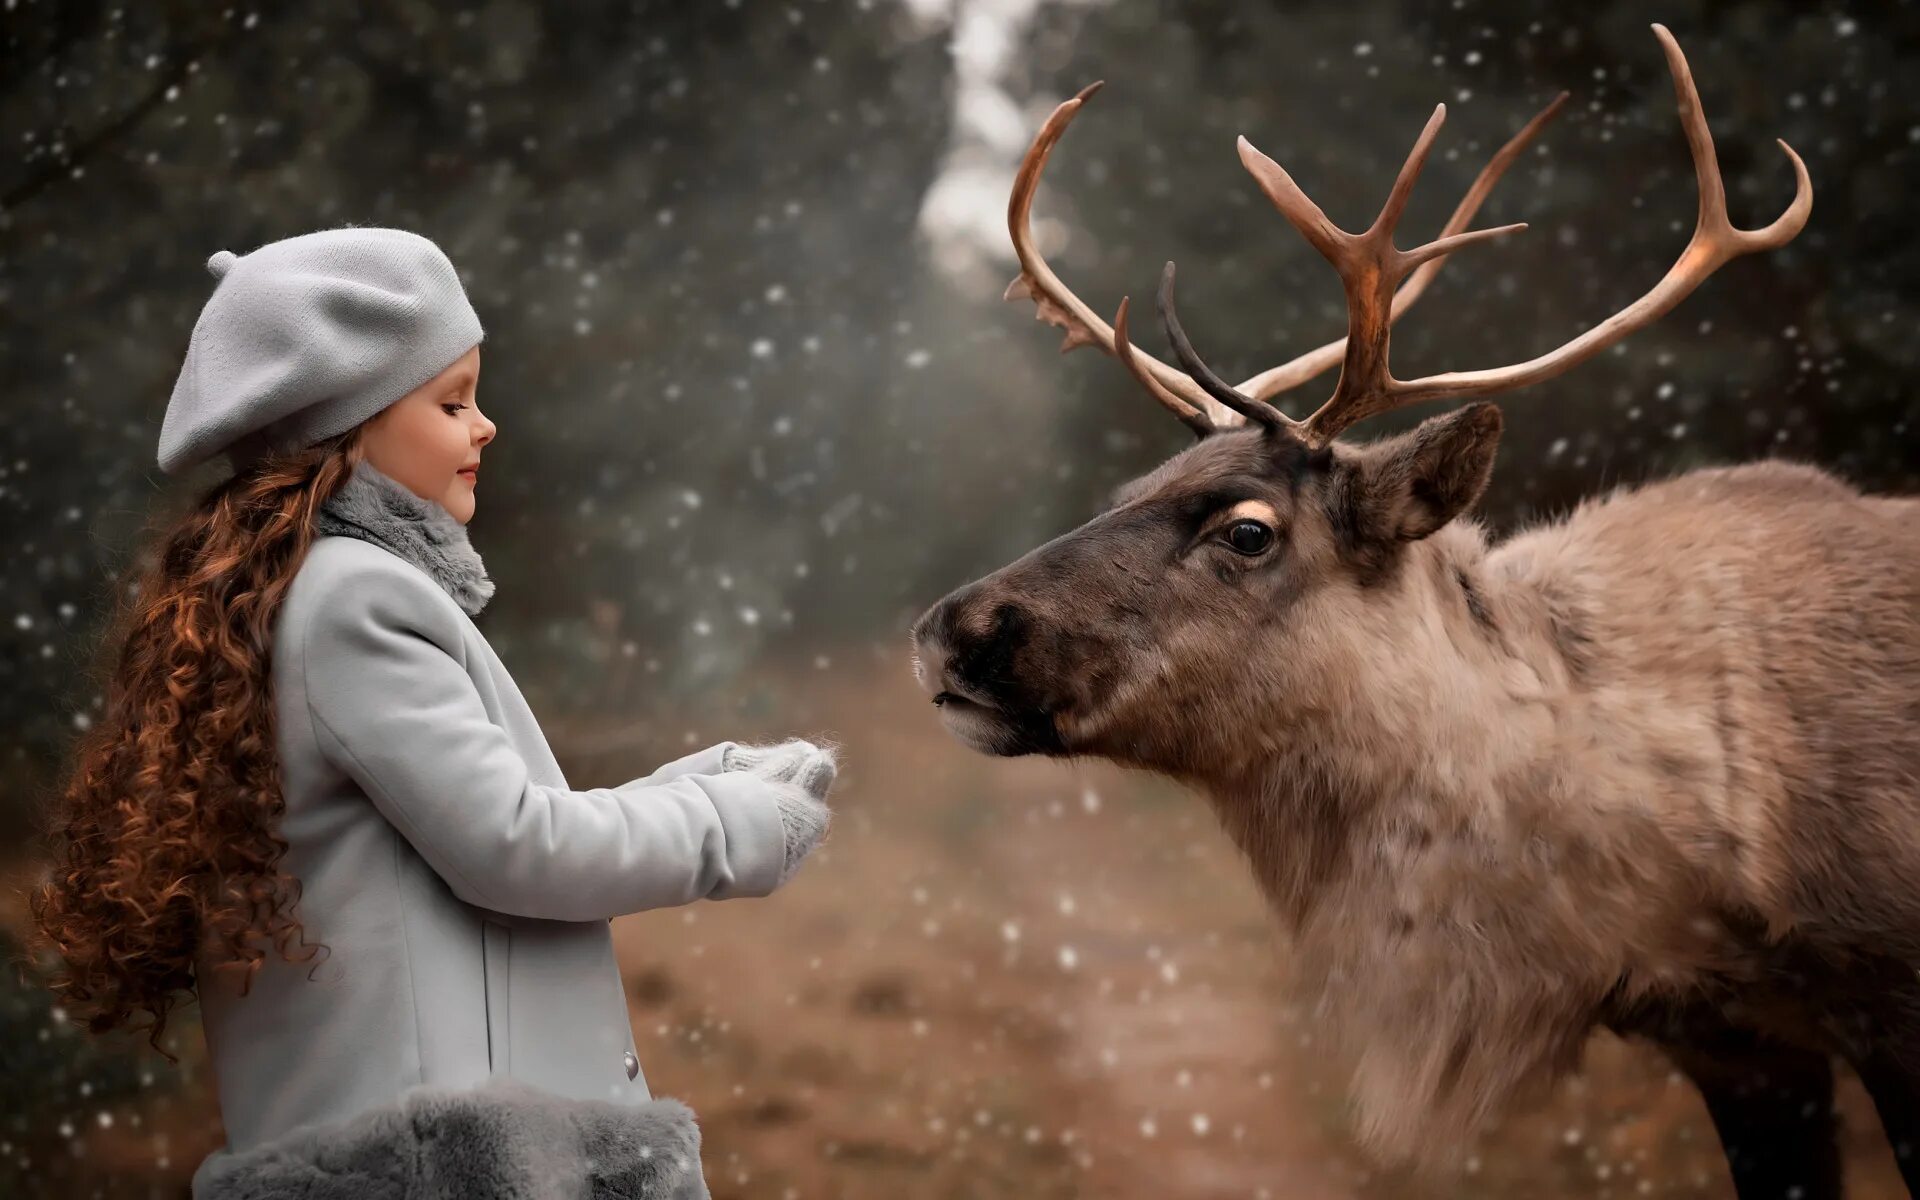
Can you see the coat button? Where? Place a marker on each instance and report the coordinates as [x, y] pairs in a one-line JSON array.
[[633, 1064]]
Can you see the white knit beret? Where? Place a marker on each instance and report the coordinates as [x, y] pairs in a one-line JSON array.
[[309, 336]]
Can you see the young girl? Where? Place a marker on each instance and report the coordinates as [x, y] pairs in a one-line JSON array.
[[307, 739]]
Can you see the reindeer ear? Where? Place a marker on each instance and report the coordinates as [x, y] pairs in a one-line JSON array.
[[1416, 482]]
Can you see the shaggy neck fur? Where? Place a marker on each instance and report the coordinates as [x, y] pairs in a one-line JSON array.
[[375, 507], [1462, 898]]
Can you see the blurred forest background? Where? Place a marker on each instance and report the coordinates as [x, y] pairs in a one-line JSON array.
[[759, 403]]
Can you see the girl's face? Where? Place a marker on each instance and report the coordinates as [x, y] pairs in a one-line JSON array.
[[430, 438]]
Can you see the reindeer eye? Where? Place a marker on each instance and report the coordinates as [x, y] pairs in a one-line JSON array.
[[1249, 537]]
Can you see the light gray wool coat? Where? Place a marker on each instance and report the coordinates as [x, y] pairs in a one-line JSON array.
[[464, 890]]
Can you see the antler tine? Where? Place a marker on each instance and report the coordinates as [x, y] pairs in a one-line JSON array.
[[1706, 171], [1295, 205], [1293, 373], [1370, 267], [1389, 218], [1123, 349], [1258, 411], [1715, 242], [1056, 304]]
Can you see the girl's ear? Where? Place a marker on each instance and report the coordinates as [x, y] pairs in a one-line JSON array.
[[1414, 483]]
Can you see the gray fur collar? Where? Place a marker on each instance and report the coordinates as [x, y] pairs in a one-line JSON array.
[[375, 507], [503, 1140]]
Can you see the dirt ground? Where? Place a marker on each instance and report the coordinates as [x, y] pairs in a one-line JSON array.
[[1013, 979]]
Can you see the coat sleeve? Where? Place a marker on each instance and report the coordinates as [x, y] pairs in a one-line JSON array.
[[700, 762], [394, 708]]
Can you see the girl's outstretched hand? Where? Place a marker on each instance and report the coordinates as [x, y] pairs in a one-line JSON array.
[[800, 774]]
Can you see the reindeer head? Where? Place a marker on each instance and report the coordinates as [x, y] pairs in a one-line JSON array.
[[1269, 572], [1227, 581]]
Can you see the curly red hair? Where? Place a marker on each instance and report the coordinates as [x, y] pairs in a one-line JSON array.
[[165, 837]]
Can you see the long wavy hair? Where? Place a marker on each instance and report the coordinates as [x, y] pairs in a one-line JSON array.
[[165, 838]]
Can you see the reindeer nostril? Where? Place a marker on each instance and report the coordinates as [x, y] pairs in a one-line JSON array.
[[967, 644]]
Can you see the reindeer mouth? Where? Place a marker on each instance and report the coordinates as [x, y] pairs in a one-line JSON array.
[[991, 713], [991, 729]]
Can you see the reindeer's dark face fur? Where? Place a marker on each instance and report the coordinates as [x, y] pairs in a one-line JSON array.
[[1195, 594]]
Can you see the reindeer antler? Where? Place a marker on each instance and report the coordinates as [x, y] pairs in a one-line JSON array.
[[1369, 266], [1058, 305], [1176, 390]]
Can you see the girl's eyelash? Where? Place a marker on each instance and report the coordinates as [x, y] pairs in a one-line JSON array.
[[451, 404]]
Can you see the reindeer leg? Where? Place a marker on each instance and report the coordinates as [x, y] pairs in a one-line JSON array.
[[1896, 1096], [1772, 1106]]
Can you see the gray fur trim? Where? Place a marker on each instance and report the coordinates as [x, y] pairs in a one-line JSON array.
[[504, 1140], [375, 507]]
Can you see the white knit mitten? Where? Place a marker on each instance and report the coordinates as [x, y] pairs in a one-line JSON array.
[[800, 774]]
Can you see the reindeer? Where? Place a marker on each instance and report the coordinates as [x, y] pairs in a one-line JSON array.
[[1653, 768]]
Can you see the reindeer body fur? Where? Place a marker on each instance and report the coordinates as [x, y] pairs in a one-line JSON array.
[[1659, 759], [1654, 767]]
